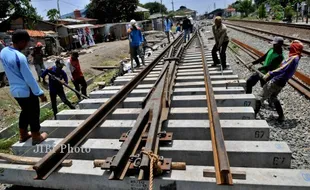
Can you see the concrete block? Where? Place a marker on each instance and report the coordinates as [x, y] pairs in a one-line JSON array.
[[261, 154], [257, 130], [223, 83], [121, 81], [118, 87], [201, 73], [202, 91], [82, 175], [124, 114], [131, 102], [201, 78], [227, 100], [110, 93], [225, 113]]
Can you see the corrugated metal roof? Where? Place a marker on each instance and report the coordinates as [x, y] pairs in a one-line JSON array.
[[141, 9], [33, 33], [79, 26], [70, 20]]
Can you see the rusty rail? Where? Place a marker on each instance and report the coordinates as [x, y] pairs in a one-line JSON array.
[[221, 161], [293, 82], [51, 161]]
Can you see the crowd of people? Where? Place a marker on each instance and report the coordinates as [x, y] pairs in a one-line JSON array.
[[26, 89]]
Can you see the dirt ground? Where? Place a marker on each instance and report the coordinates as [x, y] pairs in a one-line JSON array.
[[102, 54]]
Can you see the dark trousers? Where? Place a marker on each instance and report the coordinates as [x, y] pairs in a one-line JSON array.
[[168, 36], [135, 52], [63, 98], [222, 51], [30, 114], [252, 81], [80, 85]]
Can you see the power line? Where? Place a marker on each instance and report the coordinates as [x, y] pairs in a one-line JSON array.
[[70, 4]]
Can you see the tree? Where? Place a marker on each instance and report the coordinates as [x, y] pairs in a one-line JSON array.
[[155, 7], [53, 14], [262, 11], [245, 7], [112, 10], [18, 8]]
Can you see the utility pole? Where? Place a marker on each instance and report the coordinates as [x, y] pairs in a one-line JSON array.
[[58, 8], [172, 5], [162, 14]]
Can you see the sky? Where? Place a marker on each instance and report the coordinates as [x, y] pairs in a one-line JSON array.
[[67, 6]]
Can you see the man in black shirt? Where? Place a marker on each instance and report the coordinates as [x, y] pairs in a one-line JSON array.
[[186, 28]]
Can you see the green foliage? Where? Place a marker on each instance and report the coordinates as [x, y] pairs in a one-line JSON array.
[[53, 14], [262, 11], [110, 11], [245, 7], [18, 8], [155, 7], [289, 11], [278, 12]]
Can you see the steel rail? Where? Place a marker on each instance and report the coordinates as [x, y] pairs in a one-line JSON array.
[[119, 165], [52, 160], [221, 161], [270, 33], [160, 113], [301, 26], [306, 52], [302, 88]]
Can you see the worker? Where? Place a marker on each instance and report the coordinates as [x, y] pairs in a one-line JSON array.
[[76, 75], [178, 29], [278, 78], [168, 25], [272, 60], [135, 40], [186, 27], [55, 87], [38, 60], [23, 87], [221, 42]]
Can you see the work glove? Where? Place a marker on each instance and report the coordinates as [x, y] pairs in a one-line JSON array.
[[43, 98], [266, 77]]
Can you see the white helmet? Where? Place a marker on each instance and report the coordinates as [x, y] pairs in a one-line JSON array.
[[133, 22]]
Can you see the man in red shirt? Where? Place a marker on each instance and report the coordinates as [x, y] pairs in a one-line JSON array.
[[77, 76]]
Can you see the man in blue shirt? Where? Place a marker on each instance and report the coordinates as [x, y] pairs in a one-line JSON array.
[[168, 25], [136, 40], [23, 87], [55, 87]]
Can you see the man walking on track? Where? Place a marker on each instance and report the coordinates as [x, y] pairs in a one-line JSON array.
[[168, 25], [277, 79], [186, 27], [38, 60], [221, 42], [136, 40], [272, 60], [76, 74], [55, 87], [24, 87]]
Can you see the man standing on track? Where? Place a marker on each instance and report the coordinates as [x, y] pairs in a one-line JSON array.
[[221, 42], [136, 40], [168, 25], [76, 74], [55, 87], [278, 78], [24, 87], [272, 60], [186, 27], [38, 60]]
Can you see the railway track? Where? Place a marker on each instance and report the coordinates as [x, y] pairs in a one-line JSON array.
[[178, 109], [299, 81], [302, 26]]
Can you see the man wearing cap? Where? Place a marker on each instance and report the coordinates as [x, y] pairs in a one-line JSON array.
[[221, 42], [23, 87], [76, 75], [55, 87], [135, 40], [272, 60], [38, 60], [277, 79]]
